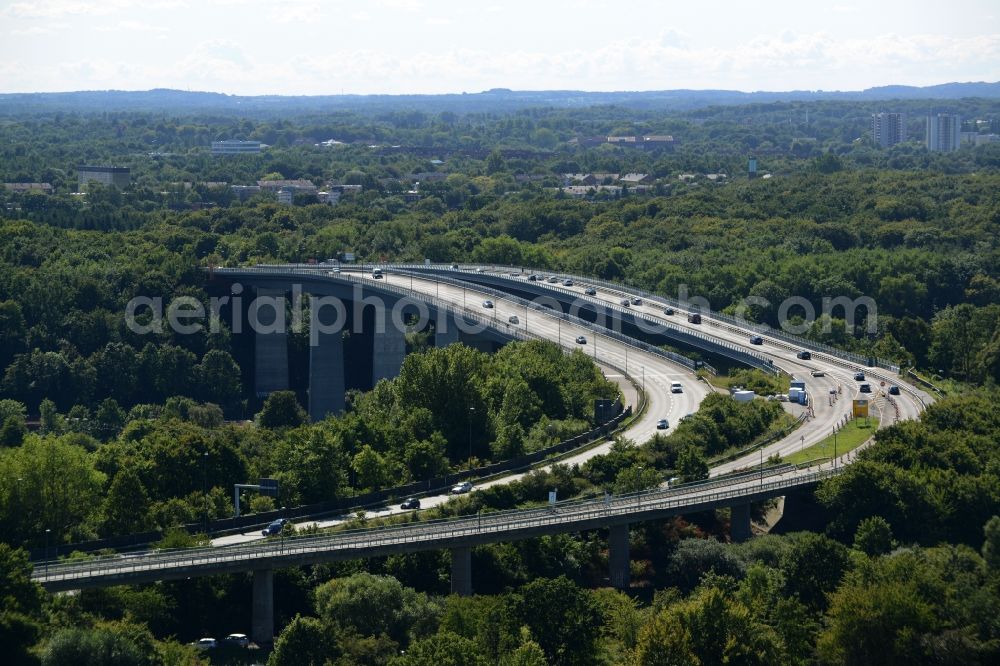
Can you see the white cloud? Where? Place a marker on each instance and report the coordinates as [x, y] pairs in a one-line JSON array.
[[134, 27], [47, 9], [402, 5], [780, 61], [35, 30], [295, 11]]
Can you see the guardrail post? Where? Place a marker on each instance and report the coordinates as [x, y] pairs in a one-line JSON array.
[[461, 571], [262, 623], [739, 523], [618, 556]]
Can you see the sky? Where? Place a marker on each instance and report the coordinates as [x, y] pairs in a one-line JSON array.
[[312, 47]]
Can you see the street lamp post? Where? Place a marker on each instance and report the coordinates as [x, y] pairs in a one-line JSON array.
[[282, 531], [762, 465], [204, 487], [47, 533], [472, 410]]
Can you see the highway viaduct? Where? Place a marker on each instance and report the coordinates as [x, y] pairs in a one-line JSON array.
[[459, 536], [452, 323]]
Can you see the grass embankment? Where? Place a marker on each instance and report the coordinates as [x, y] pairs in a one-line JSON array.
[[755, 380], [853, 435]]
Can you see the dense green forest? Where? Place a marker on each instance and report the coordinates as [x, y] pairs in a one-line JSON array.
[[105, 432], [909, 573]]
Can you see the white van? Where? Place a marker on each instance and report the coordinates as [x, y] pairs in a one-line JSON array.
[[675, 387]]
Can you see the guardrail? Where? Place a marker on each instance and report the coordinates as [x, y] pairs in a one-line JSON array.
[[703, 341], [563, 516], [626, 289], [495, 293], [784, 340], [845, 358]]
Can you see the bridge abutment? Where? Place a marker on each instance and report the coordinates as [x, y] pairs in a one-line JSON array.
[[618, 556], [326, 376], [461, 571], [739, 523], [262, 622]]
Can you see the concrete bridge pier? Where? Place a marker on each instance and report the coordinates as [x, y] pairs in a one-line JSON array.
[[739, 523], [618, 556], [271, 342], [326, 376], [388, 351], [445, 331], [461, 571], [262, 622]]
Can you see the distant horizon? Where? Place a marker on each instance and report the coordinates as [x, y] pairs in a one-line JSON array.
[[504, 89], [420, 47]]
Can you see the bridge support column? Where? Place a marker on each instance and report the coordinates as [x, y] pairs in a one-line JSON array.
[[445, 331], [262, 623], [461, 571], [618, 556], [326, 376], [739, 523], [270, 343], [388, 351]]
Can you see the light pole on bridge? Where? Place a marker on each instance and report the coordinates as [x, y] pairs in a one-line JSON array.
[[472, 410]]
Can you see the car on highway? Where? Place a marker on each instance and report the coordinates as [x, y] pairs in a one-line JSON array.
[[756, 340], [818, 373], [668, 311], [694, 318], [859, 376], [590, 291], [206, 644], [461, 488], [275, 527], [804, 355], [376, 273], [454, 266], [479, 270], [865, 388], [893, 390], [333, 272], [237, 640], [410, 503], [636, 300], [532, 278], [567, 282], [581, 340], [488, 304], [662, 424], [513, 319], [553, 280], [625, 303], [676, 387]]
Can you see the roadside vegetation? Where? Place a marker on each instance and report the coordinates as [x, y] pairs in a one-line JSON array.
[[106, 432]]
